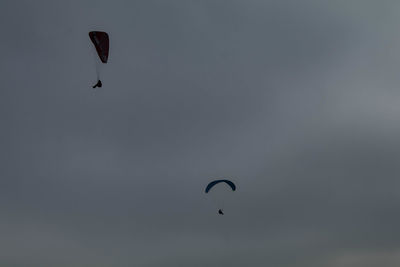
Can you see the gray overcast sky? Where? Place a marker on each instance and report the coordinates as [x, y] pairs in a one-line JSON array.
[[295, 101]]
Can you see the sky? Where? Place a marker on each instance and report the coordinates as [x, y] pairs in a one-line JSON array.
[[294, 101]]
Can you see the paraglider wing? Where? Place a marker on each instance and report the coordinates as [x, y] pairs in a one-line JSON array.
[[210, 185], [102, 44]]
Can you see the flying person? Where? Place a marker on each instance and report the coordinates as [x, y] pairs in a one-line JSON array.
[[220, 212], [98, 84]]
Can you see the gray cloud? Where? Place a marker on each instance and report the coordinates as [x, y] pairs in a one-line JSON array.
[[296, 101]]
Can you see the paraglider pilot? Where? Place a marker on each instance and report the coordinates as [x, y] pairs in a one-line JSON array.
[[220, 212], [98, 84]]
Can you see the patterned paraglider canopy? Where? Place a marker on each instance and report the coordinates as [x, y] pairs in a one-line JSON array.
[[101, 43]]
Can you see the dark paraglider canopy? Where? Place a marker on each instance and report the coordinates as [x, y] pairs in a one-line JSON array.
[[101, 43], [210, 185]]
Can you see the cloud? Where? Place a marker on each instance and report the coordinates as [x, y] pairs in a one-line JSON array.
[[294, 101]]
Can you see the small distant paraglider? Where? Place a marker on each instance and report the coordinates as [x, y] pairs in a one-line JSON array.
[[215, 182], [102, 44]]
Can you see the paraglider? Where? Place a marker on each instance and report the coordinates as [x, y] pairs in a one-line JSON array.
[[101, 42], [213, 183]]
